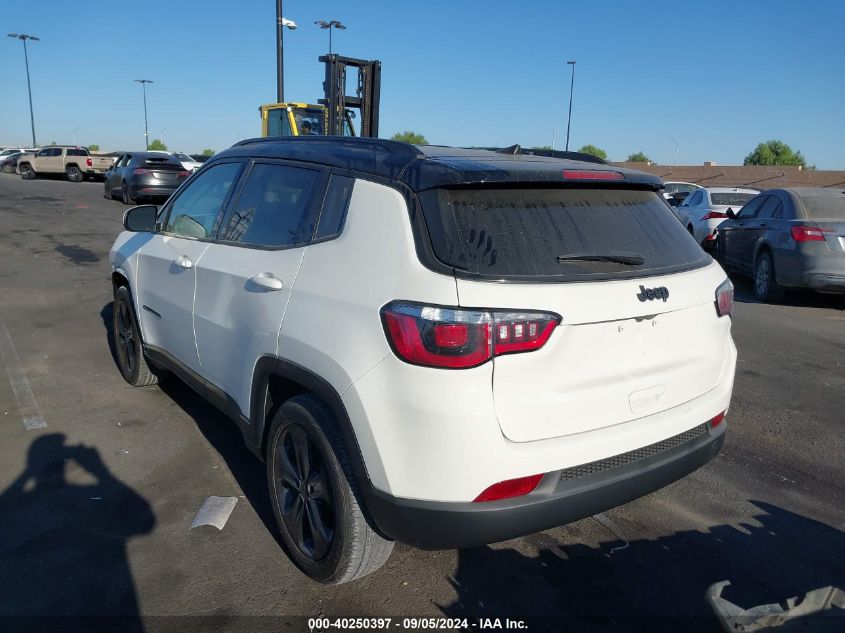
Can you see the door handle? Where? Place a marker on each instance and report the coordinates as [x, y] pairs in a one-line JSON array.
[[183, 261], [266, 281]]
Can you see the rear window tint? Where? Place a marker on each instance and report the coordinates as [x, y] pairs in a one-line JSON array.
[[77, 152], [823, 207], [733, 199], [520, 233]]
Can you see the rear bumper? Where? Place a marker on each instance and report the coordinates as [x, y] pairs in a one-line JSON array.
[[822, 282], [151, 189], [562, 496]]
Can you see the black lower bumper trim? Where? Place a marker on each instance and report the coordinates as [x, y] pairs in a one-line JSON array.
[[556, 501]]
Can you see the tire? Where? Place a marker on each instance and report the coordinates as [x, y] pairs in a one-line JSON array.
[[74, 173], [27, 172], [8, 169], [314, 493], [765, 286], [124, 195], [129, 348], [106, 190]]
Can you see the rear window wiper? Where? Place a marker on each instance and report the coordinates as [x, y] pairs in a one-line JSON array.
[[628, 259]]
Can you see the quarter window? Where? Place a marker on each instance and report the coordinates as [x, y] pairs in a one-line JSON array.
[[195, 210], [275, 208], [334, 206]]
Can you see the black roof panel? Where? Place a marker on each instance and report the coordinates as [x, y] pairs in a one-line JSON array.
[[424, 166]]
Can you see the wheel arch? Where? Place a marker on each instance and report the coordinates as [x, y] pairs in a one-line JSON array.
[[276, 380]]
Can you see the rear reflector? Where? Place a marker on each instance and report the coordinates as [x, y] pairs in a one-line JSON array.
[[451, 337], [140, 171], [510, 488], [592, 174], [725, 298], [717, 420], [808, 233]]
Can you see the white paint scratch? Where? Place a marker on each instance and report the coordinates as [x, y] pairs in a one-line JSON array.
[[27, 406]]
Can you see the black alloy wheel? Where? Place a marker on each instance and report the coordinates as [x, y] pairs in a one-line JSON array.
[[304, 492]]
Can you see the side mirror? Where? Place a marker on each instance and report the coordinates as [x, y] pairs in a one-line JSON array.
[[141, 219], [730, 213]]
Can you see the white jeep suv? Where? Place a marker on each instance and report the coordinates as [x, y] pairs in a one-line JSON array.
[[439, 346]]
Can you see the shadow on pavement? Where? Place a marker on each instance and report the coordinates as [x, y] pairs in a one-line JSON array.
[[655, 584], [63, 544], [744, 293]]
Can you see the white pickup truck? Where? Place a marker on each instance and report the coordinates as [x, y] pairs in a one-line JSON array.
[[75, 162]]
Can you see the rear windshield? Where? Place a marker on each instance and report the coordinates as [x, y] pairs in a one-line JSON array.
[[77, 152], [558, 234], [734, 199], [163, 163], [824, 207]]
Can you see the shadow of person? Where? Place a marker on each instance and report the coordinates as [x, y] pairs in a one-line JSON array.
[[64, 525], [653, 584]]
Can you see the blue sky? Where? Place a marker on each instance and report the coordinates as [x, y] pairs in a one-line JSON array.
[[718, 77]]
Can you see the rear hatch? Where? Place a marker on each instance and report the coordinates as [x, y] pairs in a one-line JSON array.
[[165, 170], [639, 331]]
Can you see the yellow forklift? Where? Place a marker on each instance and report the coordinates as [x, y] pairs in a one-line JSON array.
[[333, 115]]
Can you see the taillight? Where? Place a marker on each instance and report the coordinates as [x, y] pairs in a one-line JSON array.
[[184, 174], [510, 488], [715, 215], [458, 339], [140, 171], [725, 298], [808, 233], [716, 421], [592, 174], [89, 162]]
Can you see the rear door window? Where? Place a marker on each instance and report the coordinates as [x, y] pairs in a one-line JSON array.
[[276, 207], [558, 234], [771, 206], [751, 208]]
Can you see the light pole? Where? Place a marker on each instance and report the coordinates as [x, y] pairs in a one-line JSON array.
[[331, 24], [144, 83], [571, 88], [554, 135], [676, 148], [23, 37], [281, 22]]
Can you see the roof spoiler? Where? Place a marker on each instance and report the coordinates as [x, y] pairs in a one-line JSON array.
[[515, 150]]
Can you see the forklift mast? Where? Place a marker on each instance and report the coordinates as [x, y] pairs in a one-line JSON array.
[[366, 99]]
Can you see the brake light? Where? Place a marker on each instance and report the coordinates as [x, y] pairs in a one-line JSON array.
[[510, 488], [89, 162], [808, 233], [715, 215], [457, 339], [717, 420], [140, 171], [592, 174], [725, 298]]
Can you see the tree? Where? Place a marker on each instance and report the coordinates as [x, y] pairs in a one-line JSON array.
[[94, 147], [595, 151], [774, 153], [410, 137], [207, 152], [638, 157], [158, 144]]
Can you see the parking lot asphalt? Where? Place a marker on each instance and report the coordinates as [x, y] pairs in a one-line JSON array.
[[96, 506]]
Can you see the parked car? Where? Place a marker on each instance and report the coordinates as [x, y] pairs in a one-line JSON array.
[[9, 162], [139, 176], [787, 238], [672, 187], [703, 210], [351, 299], [13, 150], [187, 162], [200, 158], [75, 162]]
